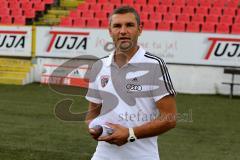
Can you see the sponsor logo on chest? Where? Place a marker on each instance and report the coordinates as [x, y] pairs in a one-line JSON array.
[[104, 80]]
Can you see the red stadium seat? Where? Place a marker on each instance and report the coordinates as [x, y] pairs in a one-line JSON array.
[[202, 10], [14, 4], [21, 1], [156, 16], [193, 27], [175, 9], [95, 7], [4, 3], [169, 17], [205, 3], [149, 25], [104, 23], [48, 1], [180, 3], [219, 4], [19, 20], [127, 2], [36, 1], [39, 6], [229, 11], [17, 12], [3, 9], [233, 4], [236, 29], [142, 2], [117, 5], [164, 26], [79, 22], [91, 1], [198, 18], [101, 15], [179, 26], [75, 14], [153, 2], [238, 11], [103, 1], [212, 19], [93, 23], [115, 2], [144, 16], [222, 28], [237, 20], [138, 7], [87, 14], [108, 7], [27, 5], [215, 11], [183, 18], [166, 2], [66, 22], [226, 19], [12, 1], [4, 12], [148, 8], [193, 3], [161, 9], [6, 20], [188, 10], [83, 7], [29, 13], [208, 27]]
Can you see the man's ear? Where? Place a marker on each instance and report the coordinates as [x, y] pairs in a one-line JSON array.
[[109, 30], [140, 28]]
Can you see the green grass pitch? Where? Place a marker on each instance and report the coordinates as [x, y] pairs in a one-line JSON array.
[[29, 129]]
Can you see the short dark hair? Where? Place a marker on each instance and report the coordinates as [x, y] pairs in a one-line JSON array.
[[123, 10]]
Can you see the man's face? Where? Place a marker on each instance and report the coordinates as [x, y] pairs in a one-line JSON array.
[[124, 31]]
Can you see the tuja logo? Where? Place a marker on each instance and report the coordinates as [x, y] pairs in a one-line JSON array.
[[226, 48], [12, 39], [68, 41]]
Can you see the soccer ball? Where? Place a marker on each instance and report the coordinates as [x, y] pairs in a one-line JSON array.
[[99, 130]]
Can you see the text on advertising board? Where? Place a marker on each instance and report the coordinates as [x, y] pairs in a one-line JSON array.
[[224, 48], [66, 41], [12, 39]]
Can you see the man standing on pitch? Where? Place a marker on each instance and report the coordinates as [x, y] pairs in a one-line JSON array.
[[131, 93]]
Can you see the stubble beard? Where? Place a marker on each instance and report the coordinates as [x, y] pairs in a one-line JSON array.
[[124, 47]]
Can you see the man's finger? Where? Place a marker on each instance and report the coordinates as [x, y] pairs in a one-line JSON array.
[[111, 125], [92, 131], [105, 138]]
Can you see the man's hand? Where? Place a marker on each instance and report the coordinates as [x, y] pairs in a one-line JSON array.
[[119, 136], [96, 132]]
